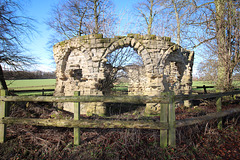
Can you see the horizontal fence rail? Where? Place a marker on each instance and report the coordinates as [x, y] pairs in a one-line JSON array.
[[87, 123], [106, 99], [166, 124], [114, 99], [32, 90], [43, 91], [204, 96], [42, 86], [200, 119], [205, 86]]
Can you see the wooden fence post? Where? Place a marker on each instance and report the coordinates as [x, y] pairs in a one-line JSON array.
[[77, 135], [43, 92], [3, 113], [171, 121], [164, 118], [168, 136], [219, 109], [204, 89]]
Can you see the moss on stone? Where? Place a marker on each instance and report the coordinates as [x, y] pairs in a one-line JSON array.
[[138, 36], [84, 37], [153, 37], [105, 40], [96, 36], [167, 39], [171, 43], [119, 37], [132, 35], [175, 47], [62, 44], [150, 37]]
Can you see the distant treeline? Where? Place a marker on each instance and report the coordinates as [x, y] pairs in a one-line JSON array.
[[15, 75]]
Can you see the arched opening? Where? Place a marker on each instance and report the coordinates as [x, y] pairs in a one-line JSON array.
[[123, 66]]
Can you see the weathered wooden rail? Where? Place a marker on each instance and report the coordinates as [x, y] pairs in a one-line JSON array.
[[41, 86], [205, 88], [167, 123], [43, 91]]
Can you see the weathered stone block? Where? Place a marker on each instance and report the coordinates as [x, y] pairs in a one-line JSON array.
[[133, 42], [96, 36], [153, 109]]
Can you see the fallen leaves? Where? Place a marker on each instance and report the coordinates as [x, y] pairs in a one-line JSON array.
[[203, 141]]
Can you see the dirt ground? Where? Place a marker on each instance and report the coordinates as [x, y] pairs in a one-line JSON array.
[[202, 141]]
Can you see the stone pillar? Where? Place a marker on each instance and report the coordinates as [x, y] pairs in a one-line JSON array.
[[154, 88]]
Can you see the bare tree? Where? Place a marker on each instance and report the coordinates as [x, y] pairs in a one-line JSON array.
[[177, 12], [148, 10], [13, 29], [219, 23], [208, 70], [68, 18], [80, 17]]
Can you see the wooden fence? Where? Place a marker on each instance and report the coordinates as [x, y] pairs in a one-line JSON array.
[[42, 91], [204, 88], [167, 124], [29, 89], [41, 86], [117, 90]]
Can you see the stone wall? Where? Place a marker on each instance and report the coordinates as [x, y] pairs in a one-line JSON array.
[[81, 66], [137, 79]]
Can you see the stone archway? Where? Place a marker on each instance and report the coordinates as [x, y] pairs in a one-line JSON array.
[[136, 88], [131, 41], [81, 66]]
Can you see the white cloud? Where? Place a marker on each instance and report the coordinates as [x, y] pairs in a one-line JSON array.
[[45, 67]]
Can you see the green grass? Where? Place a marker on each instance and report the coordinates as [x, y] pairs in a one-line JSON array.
[[211, 83], [201, 83], [31, 83], [236, 84], [121, 87]]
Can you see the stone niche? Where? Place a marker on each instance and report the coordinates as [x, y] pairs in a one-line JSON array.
[[81, 66]]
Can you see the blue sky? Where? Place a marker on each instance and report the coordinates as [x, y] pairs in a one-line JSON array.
[[40, 11]]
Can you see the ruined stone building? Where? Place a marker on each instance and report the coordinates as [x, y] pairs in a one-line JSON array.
[[81, 66]]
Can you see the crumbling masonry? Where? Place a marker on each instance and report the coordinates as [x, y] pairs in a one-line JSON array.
[[81, 66]]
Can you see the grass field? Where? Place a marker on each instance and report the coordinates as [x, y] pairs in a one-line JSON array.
[[236, 84], [50, 84], [201, 83], [121, 87], [210, 83], [31, 83]]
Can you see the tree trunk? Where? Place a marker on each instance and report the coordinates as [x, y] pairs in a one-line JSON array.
[[150, 19], [96, 30], [2, 79], [178, 22], [224, 61], [224, 82]]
